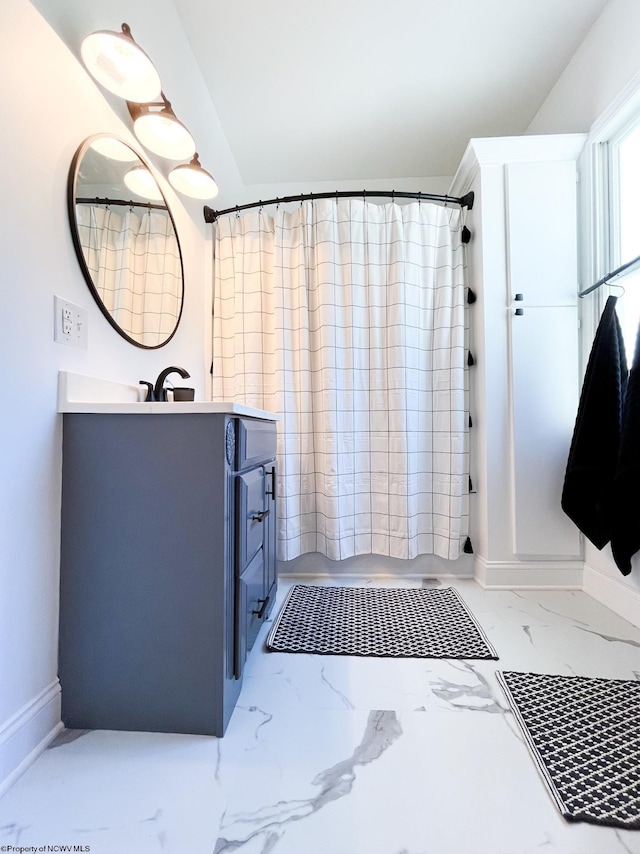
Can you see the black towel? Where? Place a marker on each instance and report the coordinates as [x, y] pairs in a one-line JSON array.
[[593, 457], [625, 523]]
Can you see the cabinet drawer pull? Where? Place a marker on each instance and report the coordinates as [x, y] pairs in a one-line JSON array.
[[260, 614], [260, 516], [272, 491]]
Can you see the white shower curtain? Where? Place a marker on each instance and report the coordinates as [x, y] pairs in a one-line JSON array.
[[134, 263], [348, 319]]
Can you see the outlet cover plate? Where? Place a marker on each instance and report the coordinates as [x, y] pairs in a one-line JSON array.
[[70, 323]]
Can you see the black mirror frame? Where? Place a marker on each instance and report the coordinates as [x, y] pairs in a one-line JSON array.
[[73, 222]]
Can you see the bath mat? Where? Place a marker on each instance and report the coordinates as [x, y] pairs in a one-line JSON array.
[[380, 621], [584, 735]]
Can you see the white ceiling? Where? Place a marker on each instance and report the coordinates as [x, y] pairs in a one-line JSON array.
[[341, 89]]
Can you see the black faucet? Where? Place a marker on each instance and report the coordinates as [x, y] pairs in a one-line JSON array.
[[160, 392]]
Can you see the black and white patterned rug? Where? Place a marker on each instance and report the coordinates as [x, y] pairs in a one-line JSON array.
[[380, 621], [584, 735]]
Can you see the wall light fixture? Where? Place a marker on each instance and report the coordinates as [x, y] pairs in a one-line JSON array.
[[192, 180], [117, 62], [159, 130]]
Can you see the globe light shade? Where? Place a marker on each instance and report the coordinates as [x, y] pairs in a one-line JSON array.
[[191, 179], [120, 65], [162, 133], [140, 181]]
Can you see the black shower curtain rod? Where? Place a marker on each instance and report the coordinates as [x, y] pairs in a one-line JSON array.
[[123, 202], [605, 279], [465, 201]]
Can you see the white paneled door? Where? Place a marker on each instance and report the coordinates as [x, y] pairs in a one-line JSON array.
[[544, 388]]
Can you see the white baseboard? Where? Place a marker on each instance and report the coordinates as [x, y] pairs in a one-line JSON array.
[[529, 575], [27, 733], [614, 594]]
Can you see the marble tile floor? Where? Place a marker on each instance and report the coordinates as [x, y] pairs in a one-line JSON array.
[[340, 755]]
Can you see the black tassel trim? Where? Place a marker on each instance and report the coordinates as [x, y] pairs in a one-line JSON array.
[[470, 360], [466, 235], [471, 297], [468, 548]]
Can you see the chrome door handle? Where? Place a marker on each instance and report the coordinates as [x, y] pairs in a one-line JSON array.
[[260, 516]]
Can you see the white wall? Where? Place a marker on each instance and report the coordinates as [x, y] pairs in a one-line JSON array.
[[604, 64], [49, 106], [601, 67]]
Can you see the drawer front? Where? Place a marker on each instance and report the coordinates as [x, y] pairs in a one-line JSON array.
[[250, 611], [256, 442], [252, 515]]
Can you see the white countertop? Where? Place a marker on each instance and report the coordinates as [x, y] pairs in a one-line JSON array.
[[92, 395], [138, 408]]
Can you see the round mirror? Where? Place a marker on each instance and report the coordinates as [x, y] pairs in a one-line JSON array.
[[126, 241]]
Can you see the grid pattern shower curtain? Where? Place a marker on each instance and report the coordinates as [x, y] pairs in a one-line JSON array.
[[348, 319], [134, 261]]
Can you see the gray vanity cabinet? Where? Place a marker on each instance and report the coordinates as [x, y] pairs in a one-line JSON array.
[[166, 577]]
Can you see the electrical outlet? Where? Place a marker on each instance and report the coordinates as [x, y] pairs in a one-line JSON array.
[[70, 323]]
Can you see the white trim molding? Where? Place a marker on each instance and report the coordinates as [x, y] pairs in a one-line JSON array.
[[619, 111], [27, 733], [613, 594], [529, 575]]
